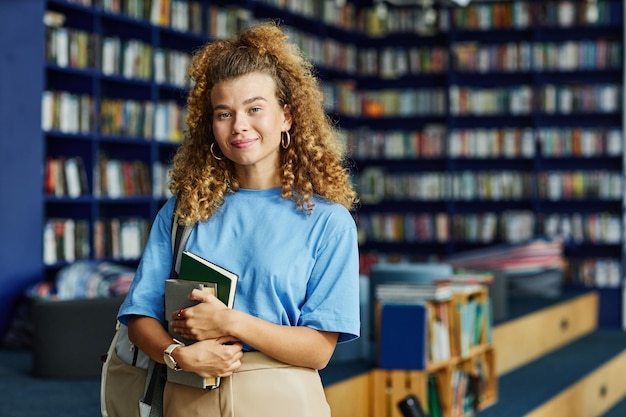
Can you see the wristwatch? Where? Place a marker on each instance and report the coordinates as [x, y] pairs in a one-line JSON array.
[[167, 355]]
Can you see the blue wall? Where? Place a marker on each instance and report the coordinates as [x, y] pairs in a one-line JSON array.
[[21, 149]]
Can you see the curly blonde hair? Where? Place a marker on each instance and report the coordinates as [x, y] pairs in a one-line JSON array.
[[314, 162]]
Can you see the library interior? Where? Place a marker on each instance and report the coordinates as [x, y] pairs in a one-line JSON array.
[[484, 139]]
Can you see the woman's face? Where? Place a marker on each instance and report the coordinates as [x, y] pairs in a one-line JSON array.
[[247, 123]]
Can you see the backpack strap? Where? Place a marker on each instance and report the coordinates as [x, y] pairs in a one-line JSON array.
[[157, 373], [180, 235]]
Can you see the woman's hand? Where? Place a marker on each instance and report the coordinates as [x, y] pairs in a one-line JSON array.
[[202, 321], [210, 358]]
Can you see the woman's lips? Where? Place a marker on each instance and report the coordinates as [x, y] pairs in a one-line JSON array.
[[242, 143]]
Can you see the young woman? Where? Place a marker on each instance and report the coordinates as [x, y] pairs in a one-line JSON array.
[[261, 172]]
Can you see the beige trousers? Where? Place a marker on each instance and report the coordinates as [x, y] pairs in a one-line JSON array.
[[261, 387]]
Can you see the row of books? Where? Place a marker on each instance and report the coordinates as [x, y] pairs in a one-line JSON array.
[[182, 15], [468, 389], [366, 143], [526, 14], [587, 55], [594, 272], [375, 184], [492, 143], [66, 176], [136, 59], [393, 62], [65, 47], [489, 16], [71, 113], [526, 99], [60, 108], [597, 228], [326, 52], [65, 240], [434, 141], [133, 58], [161, 180], [340, 14], [343, 97], [186, 15], [127, 117], [120, 238], [67, 112], [115, 178], [128, 58], [114, 56], [382, 21], [577, 185], [580, 141], [475, 323], [407, 227], [508, 226], [163, 120], [74, 113]]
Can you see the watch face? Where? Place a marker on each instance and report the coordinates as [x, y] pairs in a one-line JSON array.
[[169, 361], [167, 357]]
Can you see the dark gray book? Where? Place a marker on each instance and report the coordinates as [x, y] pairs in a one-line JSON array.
[[177, 293]]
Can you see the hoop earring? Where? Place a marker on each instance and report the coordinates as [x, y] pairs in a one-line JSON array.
[[283, 143], [213, 153]]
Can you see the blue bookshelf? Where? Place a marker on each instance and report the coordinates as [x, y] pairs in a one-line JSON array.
[[509, 82], [20, 114]]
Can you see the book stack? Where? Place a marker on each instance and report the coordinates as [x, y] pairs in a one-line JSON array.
[[196, 273], [534, 268], [402, 292]]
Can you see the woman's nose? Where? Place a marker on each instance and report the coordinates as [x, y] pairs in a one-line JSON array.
[[240, 124]]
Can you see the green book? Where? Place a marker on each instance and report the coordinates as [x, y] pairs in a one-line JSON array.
[[196, 268]]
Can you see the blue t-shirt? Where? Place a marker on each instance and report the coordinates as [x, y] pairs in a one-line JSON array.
[[294, 268]]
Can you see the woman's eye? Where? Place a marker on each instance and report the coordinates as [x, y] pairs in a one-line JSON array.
[[223, 115], [255, 110]]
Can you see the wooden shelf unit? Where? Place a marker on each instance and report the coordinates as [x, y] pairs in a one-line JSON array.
[[389, 386]]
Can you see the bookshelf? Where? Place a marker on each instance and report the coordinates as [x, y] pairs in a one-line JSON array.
[[366, 64], [92, 131], [113, 105], [457, 379], [468, 169], [528, 142]]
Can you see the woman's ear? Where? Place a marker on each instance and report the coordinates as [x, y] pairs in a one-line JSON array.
[[287, 115]]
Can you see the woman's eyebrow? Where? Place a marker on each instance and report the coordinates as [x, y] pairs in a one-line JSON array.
[[245, 102], [253, 99]]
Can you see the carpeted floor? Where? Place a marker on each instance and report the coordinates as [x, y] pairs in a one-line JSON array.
[[22, 395]]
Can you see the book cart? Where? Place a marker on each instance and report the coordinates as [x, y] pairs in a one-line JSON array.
[[455, 387]]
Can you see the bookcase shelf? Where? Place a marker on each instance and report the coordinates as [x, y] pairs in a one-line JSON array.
[[361, 60], [443, 386], [514, 72]]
